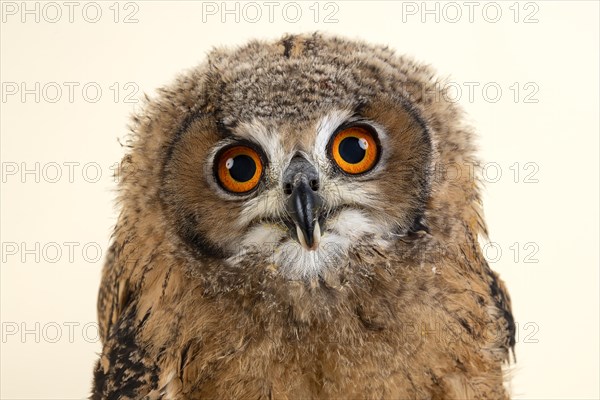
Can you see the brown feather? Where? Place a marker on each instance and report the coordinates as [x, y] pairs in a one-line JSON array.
[[417, 315]]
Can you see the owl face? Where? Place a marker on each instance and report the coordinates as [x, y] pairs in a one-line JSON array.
[[295, 160]]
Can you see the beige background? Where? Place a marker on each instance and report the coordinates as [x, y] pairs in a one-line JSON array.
[[49, 339]]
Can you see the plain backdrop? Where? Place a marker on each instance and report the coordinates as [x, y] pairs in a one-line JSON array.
[[526, 73]]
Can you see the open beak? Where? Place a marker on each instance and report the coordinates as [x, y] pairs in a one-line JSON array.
[[304, 201]]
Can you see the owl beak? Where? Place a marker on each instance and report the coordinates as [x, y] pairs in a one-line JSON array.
[[304, 201], [303, 206]]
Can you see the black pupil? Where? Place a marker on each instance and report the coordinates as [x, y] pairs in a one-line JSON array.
[[243, 168], [350, 150]]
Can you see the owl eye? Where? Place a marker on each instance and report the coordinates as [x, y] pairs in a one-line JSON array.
[[238, 168], [355, 150]]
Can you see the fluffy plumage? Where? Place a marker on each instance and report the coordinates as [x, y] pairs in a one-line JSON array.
[[206, 294]]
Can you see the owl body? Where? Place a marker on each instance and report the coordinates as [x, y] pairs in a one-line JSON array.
[[285, 233]]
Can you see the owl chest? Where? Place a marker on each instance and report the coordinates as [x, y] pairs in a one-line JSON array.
[[390, 344], [342, 359]]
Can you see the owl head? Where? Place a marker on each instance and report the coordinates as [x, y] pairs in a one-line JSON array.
[[295, 154]]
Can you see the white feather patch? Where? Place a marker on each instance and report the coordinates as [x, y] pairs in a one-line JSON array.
[[325, 128], [344, 230]]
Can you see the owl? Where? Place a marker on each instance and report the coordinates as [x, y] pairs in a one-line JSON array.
[[300, 220]]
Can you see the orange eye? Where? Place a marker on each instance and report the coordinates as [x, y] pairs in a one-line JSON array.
[[355, 149], [238, 168]]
